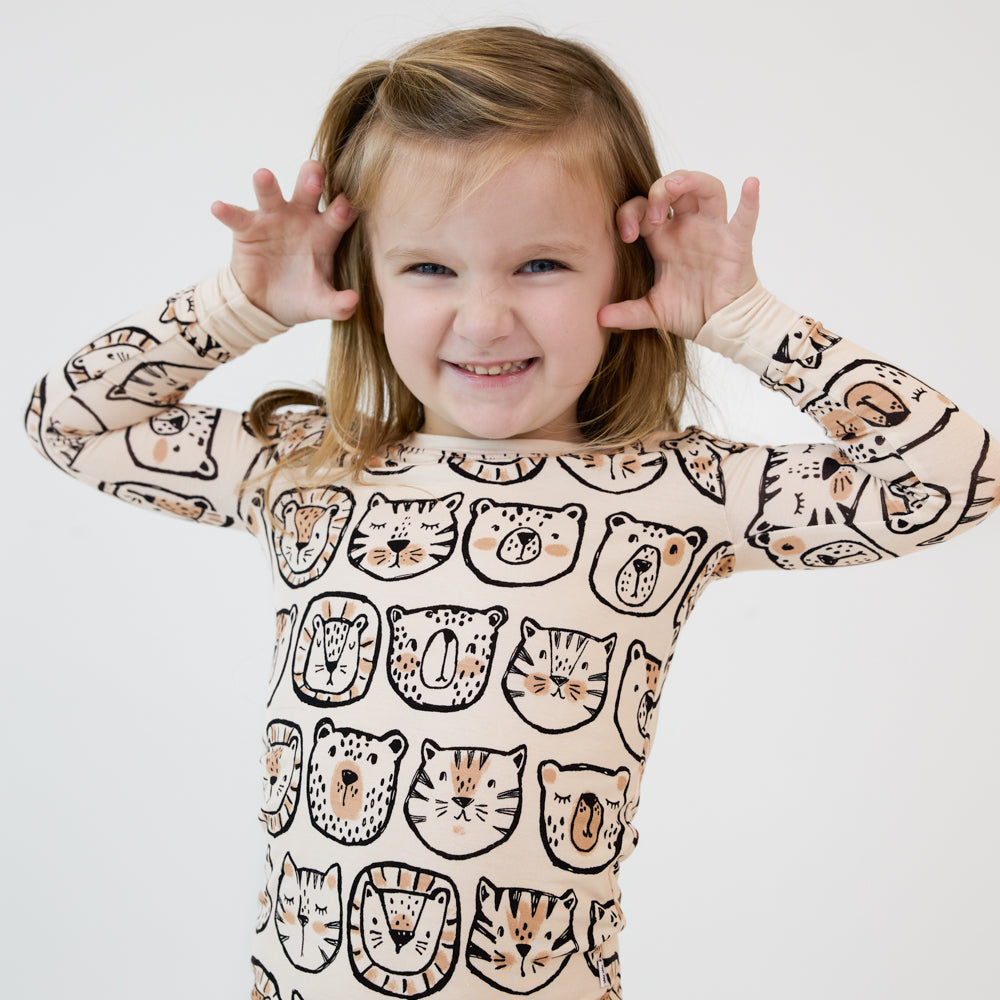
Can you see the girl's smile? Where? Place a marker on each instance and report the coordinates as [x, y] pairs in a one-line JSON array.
[[490, 299]]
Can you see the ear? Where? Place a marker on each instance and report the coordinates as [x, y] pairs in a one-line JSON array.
[[617, 520], [396, 742], [482, 506], [376, 501], [360, 623], [496, 617], [324, 728], [288, 866], [452, 501], [395, 613], [520, 756], [485, 890], [529, 628], [428, 750], [609, 644], [573, 511], [332, 876]]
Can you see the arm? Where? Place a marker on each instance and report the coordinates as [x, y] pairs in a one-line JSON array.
[[903, 469]]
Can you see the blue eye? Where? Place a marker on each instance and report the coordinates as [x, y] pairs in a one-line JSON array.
[[541, 266], [432, 269]]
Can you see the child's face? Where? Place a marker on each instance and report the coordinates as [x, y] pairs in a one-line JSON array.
[[490, 301]]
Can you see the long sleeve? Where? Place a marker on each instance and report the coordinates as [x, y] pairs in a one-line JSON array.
[[902, 468], [112, 415]]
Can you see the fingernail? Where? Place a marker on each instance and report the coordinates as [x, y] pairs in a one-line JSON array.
[[655, 216]]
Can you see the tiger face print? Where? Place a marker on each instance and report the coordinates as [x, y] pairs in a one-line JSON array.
[[404, 930], [557, 679], [311, 525], [282, 762], [582, 821], [465, 801], [440, 657], [402, 538], [520, 938], [157, 383], [308, 915]]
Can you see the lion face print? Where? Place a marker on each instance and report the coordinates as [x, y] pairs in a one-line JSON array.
[[520, 938], [465, 801], [106, 353], [640, 565], [440, 657], [404, 930], [522, 545], [352, 781], [311, 525], [557, 679], [403, 538], [282, 763], [582, 821], [308, 915]]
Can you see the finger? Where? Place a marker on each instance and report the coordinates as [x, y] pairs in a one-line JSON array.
[[744, 221], [339, 305], [309, 185], [632, 314], [267, 190], [688, 192], [340, 215], [233, 216], [629, 218]]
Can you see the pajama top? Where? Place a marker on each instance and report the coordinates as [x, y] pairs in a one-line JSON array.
[[471, 642]]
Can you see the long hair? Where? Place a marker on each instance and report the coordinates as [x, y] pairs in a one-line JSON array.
[[489, 94]]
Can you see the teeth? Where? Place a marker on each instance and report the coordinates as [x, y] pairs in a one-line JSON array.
[[505, 369]]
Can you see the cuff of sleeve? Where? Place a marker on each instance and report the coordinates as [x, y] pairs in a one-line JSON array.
[[226, 314], [749, 328]]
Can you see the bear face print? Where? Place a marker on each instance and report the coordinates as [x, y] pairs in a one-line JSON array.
[[440, 657], [336, 650], [619, 470], [404, 930], [403, 538], [638, 701], [520, 545], [557, 679], [640, 565], [581, 821], [352, 781], [311, 521], [465, 801], [520, 939], [282, 763], [177, 440]]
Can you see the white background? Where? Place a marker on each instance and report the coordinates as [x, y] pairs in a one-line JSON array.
[[820, 816]]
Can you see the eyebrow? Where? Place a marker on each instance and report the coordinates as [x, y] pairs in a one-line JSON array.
[[531, 251]]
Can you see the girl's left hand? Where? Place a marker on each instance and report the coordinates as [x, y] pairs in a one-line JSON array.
[[703, 259]]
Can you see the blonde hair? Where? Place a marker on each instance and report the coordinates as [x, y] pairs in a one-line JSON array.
[[491, 94]]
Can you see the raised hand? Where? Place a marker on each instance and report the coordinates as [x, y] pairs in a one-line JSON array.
[[283, 251], [703, 259]]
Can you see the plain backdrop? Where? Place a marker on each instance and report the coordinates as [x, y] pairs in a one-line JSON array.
[[820, 815]]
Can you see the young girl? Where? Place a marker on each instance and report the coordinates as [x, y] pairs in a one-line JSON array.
[[487, 535]]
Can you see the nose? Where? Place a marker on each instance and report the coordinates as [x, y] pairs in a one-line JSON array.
[[483, 316]]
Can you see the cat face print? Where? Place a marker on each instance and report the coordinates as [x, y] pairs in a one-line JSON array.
[[581, 814], [308, 915], [557, 679], [311, 525], [640, 565], [402, 538], [520, 939], [282, 762], [523, 545], [176, 440], [352, 781], [336, 650], [440, 657], [465, 801], [107, 353], [404, 930], [620, 470], [700, 457], [639, 700]]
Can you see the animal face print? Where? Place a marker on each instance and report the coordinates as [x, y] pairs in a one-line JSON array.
[[336, 650], [581, 814], [401, 538], [641, 564], [308, 915], [502, 471], [285, 620], [177, 440], [465, 801], [106, 353], [718, 564], [404, 930], [158, 498], [282, 762], [179, 308], [801, 349], [311, 525], [520, 545], [700, 456], [264, 901], [908, 505], [264, 986], [639, 700], [157, 383], [352, 781], [557, 678], [520, 938], [620, 471], [440, 657]]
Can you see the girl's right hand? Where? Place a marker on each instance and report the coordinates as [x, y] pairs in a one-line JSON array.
[[283, 251]]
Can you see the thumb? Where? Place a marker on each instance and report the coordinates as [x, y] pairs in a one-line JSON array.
[[632, 314]]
